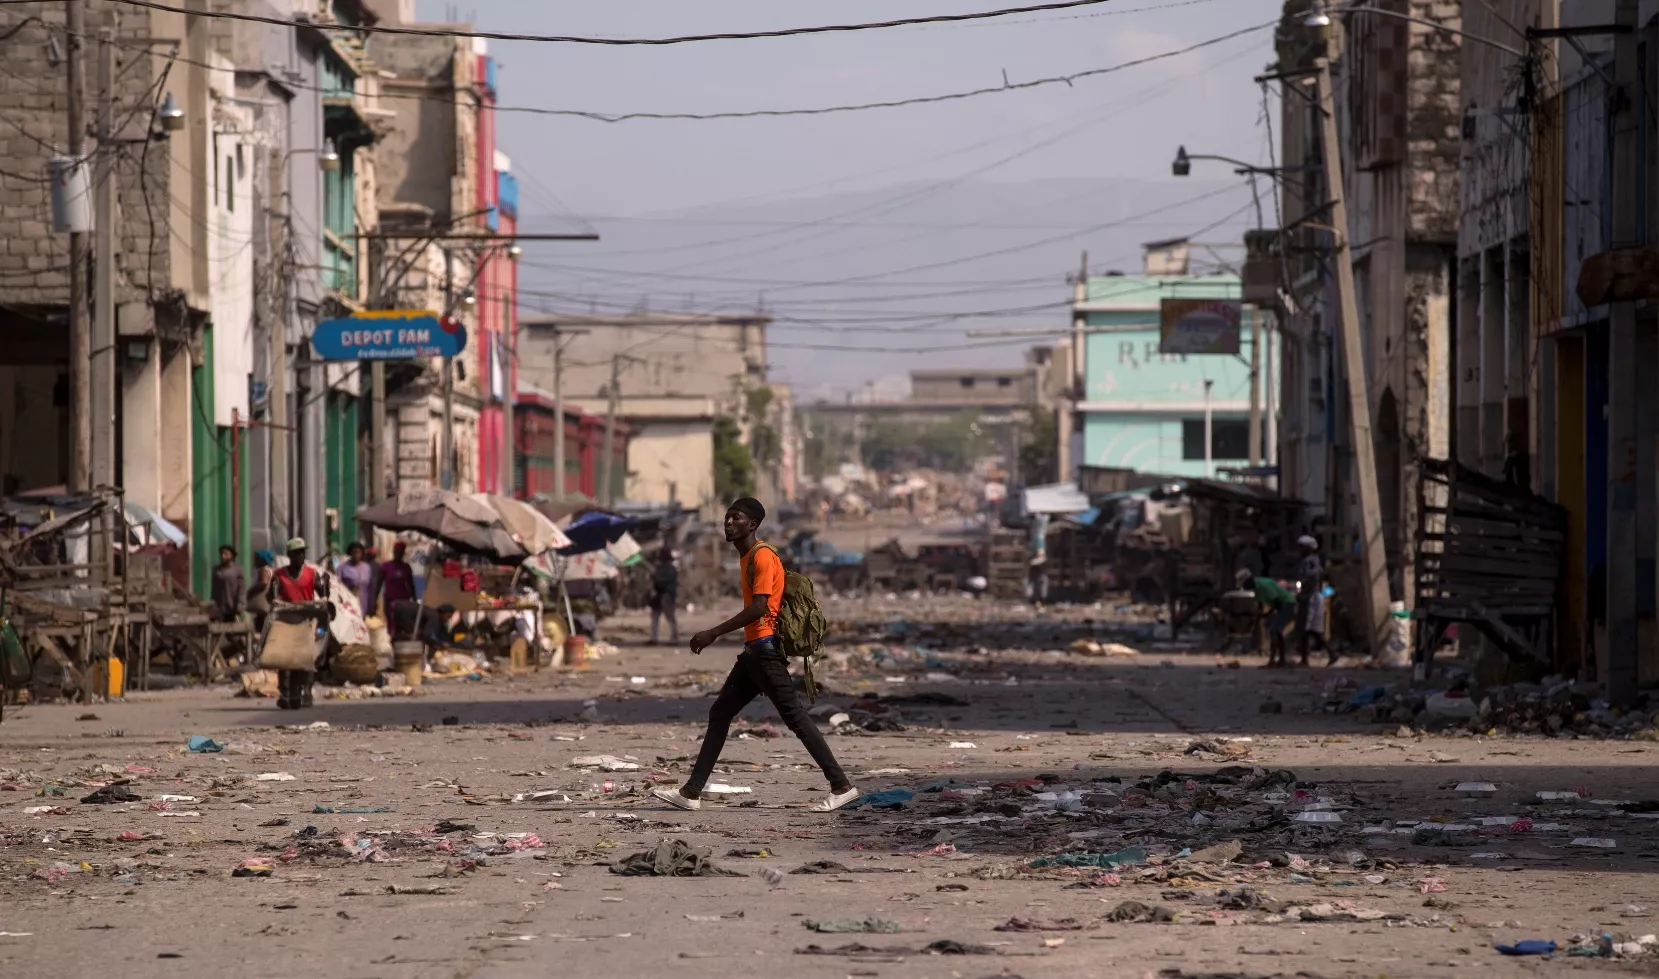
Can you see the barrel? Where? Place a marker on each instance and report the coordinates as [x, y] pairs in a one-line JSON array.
[[409, 659], [576, 651]]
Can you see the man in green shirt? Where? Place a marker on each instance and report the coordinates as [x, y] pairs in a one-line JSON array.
[[1278, 607]]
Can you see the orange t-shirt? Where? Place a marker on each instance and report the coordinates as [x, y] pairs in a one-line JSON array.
[[762, 575]]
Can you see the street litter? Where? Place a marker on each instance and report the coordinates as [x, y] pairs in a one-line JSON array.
[[1317, 816], [849, 926], [274, 777], [609, 763], [1135, 912], [45, 811], [115, 792], [963, 745], [1037, 924], [1532, 946], [1596, 842], [1479, 790], [721, 792], [546, 796], [889, 799], [944, 946], [1128, 857], [256, 867], [671, 858], [203, 745], [349, 811]]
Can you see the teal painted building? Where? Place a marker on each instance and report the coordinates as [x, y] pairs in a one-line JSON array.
[[1144, 410]]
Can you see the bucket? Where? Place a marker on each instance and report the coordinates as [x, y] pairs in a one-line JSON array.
[[576, 651], [409, 659]]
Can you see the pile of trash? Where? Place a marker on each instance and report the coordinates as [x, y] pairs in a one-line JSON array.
[[1553, 706]]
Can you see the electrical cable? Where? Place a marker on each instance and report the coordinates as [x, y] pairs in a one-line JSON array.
[[617, 41]]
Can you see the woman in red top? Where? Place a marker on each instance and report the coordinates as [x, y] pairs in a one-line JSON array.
[[295, 584]]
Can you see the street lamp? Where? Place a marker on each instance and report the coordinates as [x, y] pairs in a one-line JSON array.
[[514, 253], [171, 113], [1183, 163], [329, 157], [1317, 17]]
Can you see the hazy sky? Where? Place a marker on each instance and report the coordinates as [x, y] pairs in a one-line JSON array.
[[726, 214]]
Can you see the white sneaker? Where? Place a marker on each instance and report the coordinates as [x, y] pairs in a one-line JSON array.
[[836, 801], [675, 799]]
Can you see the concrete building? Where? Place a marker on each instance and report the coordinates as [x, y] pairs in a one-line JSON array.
[[998, 402], [442, 212], [972, 387], [231, 242], [673, 375], [1144, 410], [1539, 368], [1397, 86]]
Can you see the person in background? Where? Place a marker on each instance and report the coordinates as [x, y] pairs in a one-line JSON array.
[[397, 588], [760, 668], [665, 596], [297, 583], [230, 586], [358, 576], [1310, 600], [259, 602], [1278, 605]]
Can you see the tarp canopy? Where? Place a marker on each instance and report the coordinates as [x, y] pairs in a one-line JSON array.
[[1055, 498], [594, 530]]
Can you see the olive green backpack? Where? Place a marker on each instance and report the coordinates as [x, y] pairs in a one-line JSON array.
[[801, 624]]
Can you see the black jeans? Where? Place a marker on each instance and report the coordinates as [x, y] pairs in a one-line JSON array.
[[761, 669]]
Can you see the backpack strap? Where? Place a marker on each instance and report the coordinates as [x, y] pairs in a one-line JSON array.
[[750, 574]]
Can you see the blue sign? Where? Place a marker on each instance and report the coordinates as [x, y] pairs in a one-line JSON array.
[[389, 335]]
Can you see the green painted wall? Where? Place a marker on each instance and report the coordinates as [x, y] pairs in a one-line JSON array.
[[211, 452], [342, 431]]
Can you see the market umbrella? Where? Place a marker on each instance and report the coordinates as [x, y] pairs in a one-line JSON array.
[[459, 521], [529, 526]]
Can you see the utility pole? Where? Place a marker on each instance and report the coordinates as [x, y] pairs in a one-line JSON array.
[[1209, 431], [1255, 388], [1075, 381], [1622, 654], [102, 353], [559, 486], [1374, 595], [377, 390], [446, 462], [606, 494], [509, 387], [80, 327]]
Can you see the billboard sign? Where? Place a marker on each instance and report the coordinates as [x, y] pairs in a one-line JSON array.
[[1200, 326], [402, 334]]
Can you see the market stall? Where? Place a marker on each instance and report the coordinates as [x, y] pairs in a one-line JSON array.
[[480, 572]]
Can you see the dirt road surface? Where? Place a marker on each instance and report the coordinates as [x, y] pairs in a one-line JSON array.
[[419, 870]]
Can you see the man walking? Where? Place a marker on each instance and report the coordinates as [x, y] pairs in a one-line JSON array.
[[397, 588], [760, 668], [295, 584], [665, 596]]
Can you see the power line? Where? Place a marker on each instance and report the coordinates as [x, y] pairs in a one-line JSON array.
[[620, 41], [1004, 88]]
